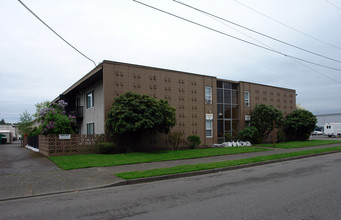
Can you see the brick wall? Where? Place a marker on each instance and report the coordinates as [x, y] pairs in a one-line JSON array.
[[51, 145]]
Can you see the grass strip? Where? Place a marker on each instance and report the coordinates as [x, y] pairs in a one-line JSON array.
[[101, 160], [206, 166], [298, 144]]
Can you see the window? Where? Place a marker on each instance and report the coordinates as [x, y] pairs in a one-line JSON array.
[[228, 110], [220, 95], [227, 96], [227, 85], [209, 132], [235, 112], [90, 99], [247, 98], [220, 111], [208, 95], [90, 128], [234, 86]]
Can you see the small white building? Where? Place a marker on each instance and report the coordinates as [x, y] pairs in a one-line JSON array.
[[328, 118], [13, 129], [7, 134]]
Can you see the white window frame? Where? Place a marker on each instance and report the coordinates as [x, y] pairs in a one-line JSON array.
[[88, 131], [247, 98], [90, 104], [208, 95], [209, 129]]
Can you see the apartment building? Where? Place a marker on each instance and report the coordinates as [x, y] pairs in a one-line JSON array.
[[205, 105]]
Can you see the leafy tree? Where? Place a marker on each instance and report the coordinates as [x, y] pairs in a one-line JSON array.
[[133, 114], [25, 123], [262, 118], [2, 122], [40, 106], [194, 141], [53, 120], [299, 124]]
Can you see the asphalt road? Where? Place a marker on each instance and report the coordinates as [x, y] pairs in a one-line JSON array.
[[300, 189]]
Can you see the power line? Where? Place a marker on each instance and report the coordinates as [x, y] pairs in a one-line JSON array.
[[279, 22], [333, 4], [245, 41], [306, 66], [249, 29], [318, 72], [56, 32]]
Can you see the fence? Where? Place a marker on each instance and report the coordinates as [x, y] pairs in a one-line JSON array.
[[51, 145], [33, 141]]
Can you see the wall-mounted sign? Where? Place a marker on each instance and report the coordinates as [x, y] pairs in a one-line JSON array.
[[247, 117], [209, 117], [64, 136]]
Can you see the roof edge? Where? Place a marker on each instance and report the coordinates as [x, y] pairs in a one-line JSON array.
[[278, 87], [84, 78], [155, 68]]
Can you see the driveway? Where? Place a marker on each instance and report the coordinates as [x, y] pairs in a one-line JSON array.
[[16, 160], [27, 173]]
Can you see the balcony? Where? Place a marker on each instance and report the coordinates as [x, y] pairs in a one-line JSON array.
[[78, 112]]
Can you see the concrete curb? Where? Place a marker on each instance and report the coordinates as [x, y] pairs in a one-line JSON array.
[[172, 176], [121, 183], [215, 170]]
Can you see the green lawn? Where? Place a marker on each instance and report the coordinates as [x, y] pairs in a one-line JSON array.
[[206, 166], [297, 144], [101, 160]]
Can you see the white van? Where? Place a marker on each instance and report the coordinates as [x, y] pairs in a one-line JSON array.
[[332, 129]]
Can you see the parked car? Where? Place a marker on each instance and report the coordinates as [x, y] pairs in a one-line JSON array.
[[317, 133]]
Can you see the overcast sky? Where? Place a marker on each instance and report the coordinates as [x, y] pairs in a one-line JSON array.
[[35, 65]]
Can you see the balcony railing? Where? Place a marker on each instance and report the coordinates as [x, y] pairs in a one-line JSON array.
[[78, 112]]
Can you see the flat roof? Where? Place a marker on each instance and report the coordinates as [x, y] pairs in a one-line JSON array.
[[100, 67], [155, 68], [267, 85], [329, 114]]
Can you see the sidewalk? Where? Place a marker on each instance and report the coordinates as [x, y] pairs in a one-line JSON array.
[[58, 181]]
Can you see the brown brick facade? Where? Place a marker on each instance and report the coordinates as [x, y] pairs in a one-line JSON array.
[[185, 92], [281, 98]]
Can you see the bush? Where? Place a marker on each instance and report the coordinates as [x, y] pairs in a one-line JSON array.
[[35, 131], [250, 134], [175, 139], [299, 124], [108, 148], [228, 136], [53, 120], [193, 141]]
